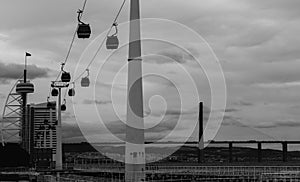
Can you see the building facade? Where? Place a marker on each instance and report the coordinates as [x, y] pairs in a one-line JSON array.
[[41, 132]]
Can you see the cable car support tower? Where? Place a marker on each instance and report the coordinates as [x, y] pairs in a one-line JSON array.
[[135, 147]]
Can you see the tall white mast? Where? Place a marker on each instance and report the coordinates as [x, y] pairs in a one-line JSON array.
[[135, 148]]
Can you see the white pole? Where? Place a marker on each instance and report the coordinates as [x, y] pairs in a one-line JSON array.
[[135, 148], [58, 161]]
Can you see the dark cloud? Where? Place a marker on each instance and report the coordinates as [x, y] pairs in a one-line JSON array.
[[231, 110], [174, 112], [232, 121], [99, 102], [14, 71], [278, 124], [236, 121], [288, 9], [172, 55], [71, 131], [157, 79], [243, 103], [161, 130]]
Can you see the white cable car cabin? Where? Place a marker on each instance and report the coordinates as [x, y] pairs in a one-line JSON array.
[[85, 81], [112, 41]]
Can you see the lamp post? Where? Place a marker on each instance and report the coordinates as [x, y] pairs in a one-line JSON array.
[[135, 147]]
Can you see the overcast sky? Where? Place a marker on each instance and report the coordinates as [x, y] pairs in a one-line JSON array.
[[256, 42]]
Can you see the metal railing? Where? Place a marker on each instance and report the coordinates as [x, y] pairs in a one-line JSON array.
[[199, 170]]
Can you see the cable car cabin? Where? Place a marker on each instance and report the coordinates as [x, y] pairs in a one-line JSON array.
[[112, 42], [63, 107], [65, 77], [85, 82], [54, 92], [83, 31], [71, 92]]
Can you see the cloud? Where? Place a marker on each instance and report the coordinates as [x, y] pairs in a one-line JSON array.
[[176, 112], [243, 103], [256, 42], [278, 124], [98, 102], [237, 121], [68, 116], [157, 81], [232, 121], [2, 96], [71, 132], [172, 55], [278, 85], [231, 110], [15, 71]]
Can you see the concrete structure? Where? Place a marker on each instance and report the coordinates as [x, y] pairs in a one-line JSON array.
[[23, 88], [259, 154], [58, 156], [201, 137], [135, 148]]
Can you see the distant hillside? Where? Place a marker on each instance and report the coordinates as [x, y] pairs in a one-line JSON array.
[[78, 147], [189, 153]]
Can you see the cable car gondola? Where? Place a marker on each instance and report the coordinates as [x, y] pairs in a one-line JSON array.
[[85, 81], [71, 91], [63, 107], [83, 30], [112, 41], [54, 92], [65, 77]]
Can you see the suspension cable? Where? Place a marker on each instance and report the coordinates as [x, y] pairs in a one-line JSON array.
[[70, 47], [102, 43]]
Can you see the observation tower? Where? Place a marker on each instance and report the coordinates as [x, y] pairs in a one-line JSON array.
[[15, 126]]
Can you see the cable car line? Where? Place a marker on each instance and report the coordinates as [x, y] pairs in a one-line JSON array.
[[73, 39], [86, 32], [70, 47], [84, 4], [103, 41]]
